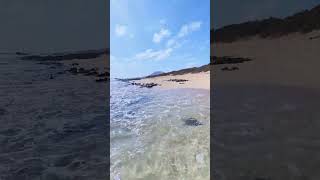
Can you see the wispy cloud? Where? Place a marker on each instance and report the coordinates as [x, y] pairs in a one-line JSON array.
[[121, 30], [172, 44], [189, 28], [157, 37], [151, 54], [184, 31]]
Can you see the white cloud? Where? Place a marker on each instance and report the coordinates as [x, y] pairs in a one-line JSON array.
[[121, 30], [157, 37], [171, 42], [189, 28], [175, 42], [151, 54]]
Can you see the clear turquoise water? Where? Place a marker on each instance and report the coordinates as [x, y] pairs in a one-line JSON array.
[[149, 138]]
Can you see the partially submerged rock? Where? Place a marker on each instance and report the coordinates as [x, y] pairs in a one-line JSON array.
[[146, 85], [192, 122]]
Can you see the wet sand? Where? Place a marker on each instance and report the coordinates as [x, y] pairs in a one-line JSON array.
[[265, 115]]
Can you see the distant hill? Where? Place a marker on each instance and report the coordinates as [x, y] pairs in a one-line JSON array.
[[302, 22], [156, 73], [203, 68]]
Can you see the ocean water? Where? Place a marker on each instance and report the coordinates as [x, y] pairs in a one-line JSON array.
[[51, 128], [150, 138]]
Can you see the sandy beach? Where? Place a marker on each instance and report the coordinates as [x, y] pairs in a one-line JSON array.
[[199, 80], [265, 112], [291, 60]]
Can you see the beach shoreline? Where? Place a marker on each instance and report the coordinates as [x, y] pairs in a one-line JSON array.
[[199, 80]]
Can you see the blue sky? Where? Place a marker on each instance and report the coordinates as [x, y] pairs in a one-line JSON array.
[[148, 36]]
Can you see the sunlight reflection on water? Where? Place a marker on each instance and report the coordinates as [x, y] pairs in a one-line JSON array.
[[150, 140]]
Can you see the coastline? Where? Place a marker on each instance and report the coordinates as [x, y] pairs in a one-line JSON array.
[[200, 80]]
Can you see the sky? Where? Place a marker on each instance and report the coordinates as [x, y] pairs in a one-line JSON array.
[[53, 25], [225, 12], [148, 36]]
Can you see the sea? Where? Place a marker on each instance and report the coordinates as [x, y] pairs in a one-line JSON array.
[[150, 137], [53, 123]]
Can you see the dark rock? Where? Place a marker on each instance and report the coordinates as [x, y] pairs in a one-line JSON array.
[[225, 68], [21, 53], [228, 60], [73, 70], [230, 69], [192, 122], [178, 80], [82, 70], [234, 68], [146, 85], [102, 80], [105, 74]]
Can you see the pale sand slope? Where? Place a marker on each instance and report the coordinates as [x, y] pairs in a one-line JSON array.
[[195, 81], [266, 114], [291, 60]]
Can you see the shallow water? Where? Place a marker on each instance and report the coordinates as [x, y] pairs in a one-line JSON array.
[[149, 136], [51, 128]]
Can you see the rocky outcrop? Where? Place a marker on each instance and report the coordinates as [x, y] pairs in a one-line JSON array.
[[228, 60], [101, 77], [234, 68], [178, 80], [145, 85]]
